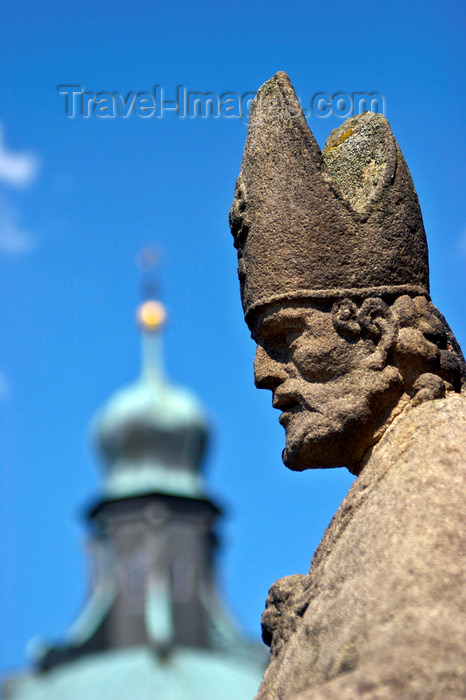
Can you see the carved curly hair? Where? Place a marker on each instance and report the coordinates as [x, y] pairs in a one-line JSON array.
[[417, 340]]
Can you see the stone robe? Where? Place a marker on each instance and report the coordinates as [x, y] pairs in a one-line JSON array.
[[381, 614]]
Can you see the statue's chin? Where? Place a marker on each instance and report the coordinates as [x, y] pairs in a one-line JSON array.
[[332, 437], [315, 449], [311, 455]]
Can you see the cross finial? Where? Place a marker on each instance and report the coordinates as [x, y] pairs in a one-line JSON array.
[[148, 260], [151, 313]]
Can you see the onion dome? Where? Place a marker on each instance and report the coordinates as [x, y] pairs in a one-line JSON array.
[[152, 434], [140, 674]]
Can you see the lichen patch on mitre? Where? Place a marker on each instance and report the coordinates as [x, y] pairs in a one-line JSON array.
[[361, 157]]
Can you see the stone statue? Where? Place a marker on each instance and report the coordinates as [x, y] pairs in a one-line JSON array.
[[367, 374]]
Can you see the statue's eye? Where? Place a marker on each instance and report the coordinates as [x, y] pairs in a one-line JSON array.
[[277, 336], [282, 343], [291, 336]]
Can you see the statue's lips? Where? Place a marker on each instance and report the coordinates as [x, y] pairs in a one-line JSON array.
[[290, 402], [286, 416], [289, 406], [284, 402]]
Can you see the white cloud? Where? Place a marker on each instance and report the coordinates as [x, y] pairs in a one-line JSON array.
[[17, 169], [14, 239]]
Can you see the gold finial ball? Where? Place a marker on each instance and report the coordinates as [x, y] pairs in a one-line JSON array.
[[151, 315]]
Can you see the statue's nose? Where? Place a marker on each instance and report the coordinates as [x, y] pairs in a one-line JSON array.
[[268, 373]]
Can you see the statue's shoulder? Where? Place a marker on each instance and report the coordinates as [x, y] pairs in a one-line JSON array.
[[414, 484], [415, 474], [429, 436], [451, 409]]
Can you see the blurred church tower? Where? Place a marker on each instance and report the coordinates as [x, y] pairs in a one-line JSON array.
[[153, 627]]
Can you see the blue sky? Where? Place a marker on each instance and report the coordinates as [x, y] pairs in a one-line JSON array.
[[80, 197]]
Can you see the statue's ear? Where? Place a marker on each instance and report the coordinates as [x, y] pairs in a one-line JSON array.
[[373, 320], [345, 319], [376, 322]]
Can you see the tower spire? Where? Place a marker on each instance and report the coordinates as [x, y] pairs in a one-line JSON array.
[[151, 316]]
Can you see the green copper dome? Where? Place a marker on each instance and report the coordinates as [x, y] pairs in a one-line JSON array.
[[152, 434], [140, 674]]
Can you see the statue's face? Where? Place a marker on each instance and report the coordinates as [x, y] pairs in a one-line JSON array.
[[321, 382]]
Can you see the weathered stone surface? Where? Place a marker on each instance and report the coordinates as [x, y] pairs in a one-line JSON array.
[[367, 374]]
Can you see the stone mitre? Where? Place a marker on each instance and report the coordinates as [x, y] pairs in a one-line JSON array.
[[306, 230]]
